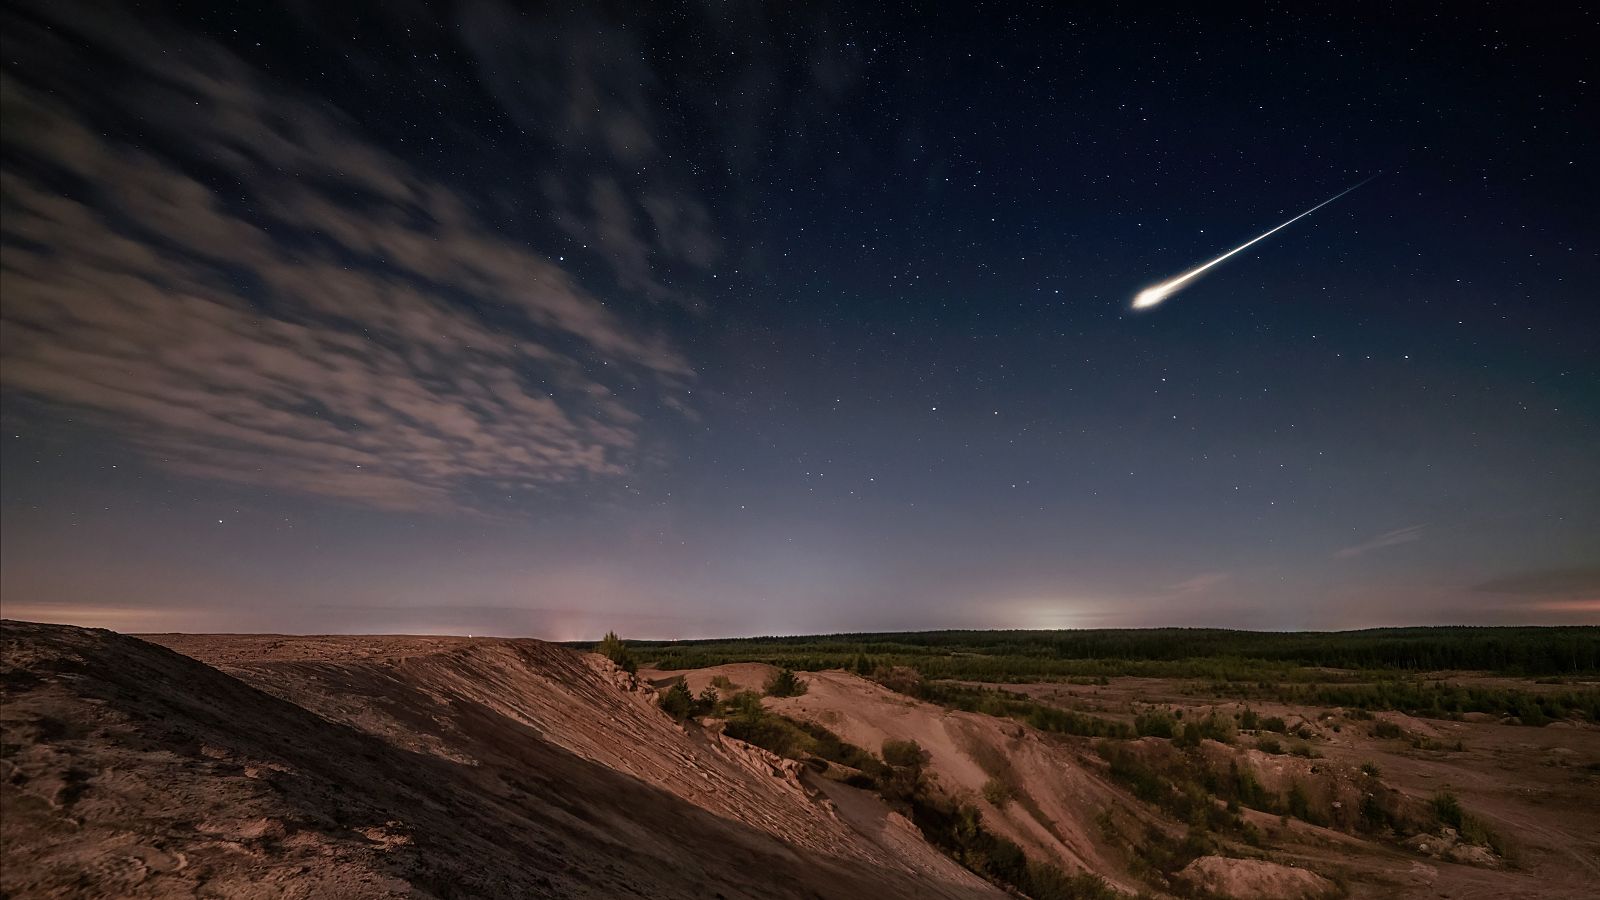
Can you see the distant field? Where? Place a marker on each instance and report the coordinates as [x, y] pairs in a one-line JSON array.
[[1378, 669], [1162, 652]]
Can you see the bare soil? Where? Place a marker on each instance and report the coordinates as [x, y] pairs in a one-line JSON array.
[[251, 766]]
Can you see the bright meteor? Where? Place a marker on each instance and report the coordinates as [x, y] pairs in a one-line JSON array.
[[1154, 294]]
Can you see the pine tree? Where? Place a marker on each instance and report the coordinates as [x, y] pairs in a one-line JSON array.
[[612, 648]]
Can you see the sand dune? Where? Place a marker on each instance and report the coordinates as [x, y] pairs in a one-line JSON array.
[[401, 767]]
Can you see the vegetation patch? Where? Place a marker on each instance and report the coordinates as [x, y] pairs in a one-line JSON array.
[[785, 684], [1011, 705], [955, 828], [1219, 654]]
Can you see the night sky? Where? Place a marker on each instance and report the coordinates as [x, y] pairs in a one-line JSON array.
[[697, 320]]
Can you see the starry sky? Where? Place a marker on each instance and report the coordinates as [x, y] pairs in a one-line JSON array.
[[719, 319]]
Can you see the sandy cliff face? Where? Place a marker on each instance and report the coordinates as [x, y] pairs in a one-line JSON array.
[[1059, 787], [405, 767]]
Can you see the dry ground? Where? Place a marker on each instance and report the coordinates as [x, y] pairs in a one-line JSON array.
[[271, 766], [401, 767]]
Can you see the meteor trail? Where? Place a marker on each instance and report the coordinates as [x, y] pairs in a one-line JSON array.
[[1156, 293]]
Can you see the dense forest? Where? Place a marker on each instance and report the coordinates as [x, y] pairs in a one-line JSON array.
[[1173, 652]]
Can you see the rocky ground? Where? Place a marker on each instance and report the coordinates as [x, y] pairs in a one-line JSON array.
[[264, 766], [248, 766]]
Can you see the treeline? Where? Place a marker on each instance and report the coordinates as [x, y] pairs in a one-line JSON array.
[[1164, 652], [1431, 699]]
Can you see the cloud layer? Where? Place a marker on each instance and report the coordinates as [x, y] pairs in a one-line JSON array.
[[280, 303]]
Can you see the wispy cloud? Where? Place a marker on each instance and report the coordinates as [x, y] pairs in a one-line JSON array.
[[584, 84], [281, 303], [1388, 539], [1199, 584]]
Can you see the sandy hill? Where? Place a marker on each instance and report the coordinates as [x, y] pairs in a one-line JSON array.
[[262, 766], [1059, 788]]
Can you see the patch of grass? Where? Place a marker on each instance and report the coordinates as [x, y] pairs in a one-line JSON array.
[[1447, 809], [1212, 727], [1011, 705], [1156, 723], [999, 792]]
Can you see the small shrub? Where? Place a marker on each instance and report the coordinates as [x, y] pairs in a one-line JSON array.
[[1275, 724], [900, 679], [1447, 809], [1387, 730], [1269, 745], [677, 702], [706, 703], [785, 684], [998, 792], [905, 754], [1154, 724], [1213, 727], [1371, 769], [745, 705], [1248, 720], [1373, 813], [1299, 803], [612, 648]]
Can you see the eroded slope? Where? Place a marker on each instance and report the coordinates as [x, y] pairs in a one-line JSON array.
[[350, 767]]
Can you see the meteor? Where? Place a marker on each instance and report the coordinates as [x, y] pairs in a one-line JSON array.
[[1156, 293]]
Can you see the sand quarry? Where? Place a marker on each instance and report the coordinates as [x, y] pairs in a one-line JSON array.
[[270, 766]]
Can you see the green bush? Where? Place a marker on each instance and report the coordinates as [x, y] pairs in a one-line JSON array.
[[612, 648], [1387, 730], [677, 702], [998, 792], [1299, 804], [785, 684], [1154, 724], [903, 753], [707, 702], [1447, 809], [1212, 727], [1373, 813]]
